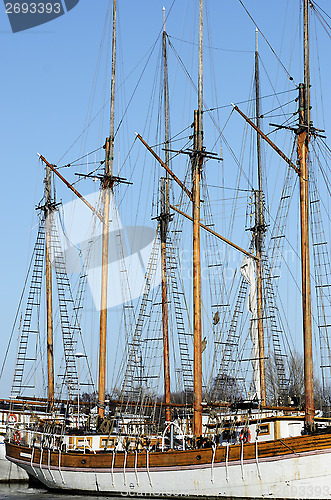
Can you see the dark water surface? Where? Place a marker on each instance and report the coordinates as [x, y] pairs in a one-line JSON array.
[[22, 492]]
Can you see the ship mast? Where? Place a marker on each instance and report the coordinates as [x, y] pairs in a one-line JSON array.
[[303, 132], [164, 219], [259, 229], [48, 209], [303, 137], [197, 161], [107, 183]]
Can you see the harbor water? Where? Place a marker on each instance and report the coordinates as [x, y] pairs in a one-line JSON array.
[[24, 492]]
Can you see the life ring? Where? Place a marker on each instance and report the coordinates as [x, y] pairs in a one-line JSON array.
[[245, 435], [12, 418], [17, 437]]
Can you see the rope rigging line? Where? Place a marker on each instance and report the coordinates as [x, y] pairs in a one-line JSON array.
[[17, 312], [314, 4], [279, 107], [171, 139], [136, 87], [85, 129], [209, 46], [87, 125], [319, 16], [253, 99], [142, 73], [68, 165], [210, 115], [276, 94], [326, 153], [324, 174], [218, 290], [268, 43], [232, 189]]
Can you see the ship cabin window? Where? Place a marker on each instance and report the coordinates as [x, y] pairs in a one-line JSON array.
[[84, 442], [132, 445], [106, 442], [264, 429]]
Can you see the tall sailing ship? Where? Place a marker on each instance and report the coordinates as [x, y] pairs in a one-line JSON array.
[[217, 441]]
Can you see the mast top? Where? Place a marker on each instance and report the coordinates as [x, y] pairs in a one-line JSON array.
[[306, 61], [200, 79], [256, 40]]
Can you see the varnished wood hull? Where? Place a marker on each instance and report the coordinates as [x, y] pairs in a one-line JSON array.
[[298, 467]]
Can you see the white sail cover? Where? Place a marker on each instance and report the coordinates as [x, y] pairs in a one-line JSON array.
[[248, 271]]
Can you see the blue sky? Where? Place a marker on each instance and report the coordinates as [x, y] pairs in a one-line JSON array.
[[47, 79]]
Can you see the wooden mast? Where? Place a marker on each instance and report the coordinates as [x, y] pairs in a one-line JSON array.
[[259, 230], [107, 185], [197, 161], [302, 150], [164, 222], [303, 138], [49, 303]]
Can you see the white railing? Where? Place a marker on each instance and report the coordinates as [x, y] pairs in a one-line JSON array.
[[36, 439]]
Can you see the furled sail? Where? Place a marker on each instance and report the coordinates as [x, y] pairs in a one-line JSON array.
[[248, 271]]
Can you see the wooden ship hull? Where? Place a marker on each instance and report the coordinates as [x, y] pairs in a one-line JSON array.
[[298, 467], [9, 471], [14, 415]]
